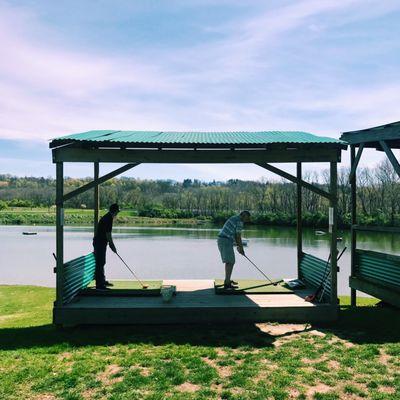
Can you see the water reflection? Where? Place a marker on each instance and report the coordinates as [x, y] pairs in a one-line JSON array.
[[175, 252]]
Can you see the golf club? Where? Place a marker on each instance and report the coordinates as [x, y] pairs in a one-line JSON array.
[[273, 283], [127, 266], [325, 277]]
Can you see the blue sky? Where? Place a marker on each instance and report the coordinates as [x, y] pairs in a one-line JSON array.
[[71, 66]]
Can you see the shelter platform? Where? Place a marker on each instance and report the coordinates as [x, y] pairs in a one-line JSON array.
[[195, 302]]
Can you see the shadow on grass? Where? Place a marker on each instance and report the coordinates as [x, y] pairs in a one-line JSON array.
[[360, 325]]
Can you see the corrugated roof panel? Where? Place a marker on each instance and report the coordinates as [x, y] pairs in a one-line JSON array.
[[212, 138]]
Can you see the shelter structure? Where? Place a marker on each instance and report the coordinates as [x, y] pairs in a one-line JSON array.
[[195, 300], [372, 272]]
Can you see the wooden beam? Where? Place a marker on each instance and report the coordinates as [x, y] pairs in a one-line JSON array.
[[372, 135], [392, 158], [334, 252], [312, 154], [59, 233], [96, 199], [293, 179], [353, 183], [356, 160], [299, 219], [380, 291], [101, 180]]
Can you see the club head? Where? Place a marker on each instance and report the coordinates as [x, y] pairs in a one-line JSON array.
[[145, 286]]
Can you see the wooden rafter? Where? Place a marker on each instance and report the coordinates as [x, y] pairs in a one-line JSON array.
[[101, 180], [294, 179], [392, 158]]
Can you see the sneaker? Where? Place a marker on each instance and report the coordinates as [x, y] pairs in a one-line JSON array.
[[108, 284], [102, 288], [230, 286], [233, 283]]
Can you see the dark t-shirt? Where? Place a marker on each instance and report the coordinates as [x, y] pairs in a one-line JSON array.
[[105, 226]]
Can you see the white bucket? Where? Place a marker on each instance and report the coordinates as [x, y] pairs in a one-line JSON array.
[[167, 292]]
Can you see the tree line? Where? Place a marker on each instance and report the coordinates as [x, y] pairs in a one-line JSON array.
[[271, 202]]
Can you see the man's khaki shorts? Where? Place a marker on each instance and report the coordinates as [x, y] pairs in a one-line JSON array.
[[225, 247]]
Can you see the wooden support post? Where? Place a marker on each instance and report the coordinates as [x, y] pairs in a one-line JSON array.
[[333, 206], [96, 205], [353, 184], [59, 232], [299, 220]]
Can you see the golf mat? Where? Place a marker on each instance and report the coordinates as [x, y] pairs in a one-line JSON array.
[[125, 288], [252, 286]]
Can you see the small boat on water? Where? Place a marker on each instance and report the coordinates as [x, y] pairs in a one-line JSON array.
[[29, 233]]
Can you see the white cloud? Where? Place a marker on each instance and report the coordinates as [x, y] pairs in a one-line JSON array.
[[271, 70]]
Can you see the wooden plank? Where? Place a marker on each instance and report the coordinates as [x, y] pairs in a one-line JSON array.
[[136, 316], [299, 218], [293, 179], [59, 233], [392, 158], [96, 197], [333, 244], [311, 154], [355, 161], [373, 289], [101, 180]]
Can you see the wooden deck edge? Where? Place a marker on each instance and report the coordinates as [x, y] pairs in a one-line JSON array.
[[135, 316], [381, 292]]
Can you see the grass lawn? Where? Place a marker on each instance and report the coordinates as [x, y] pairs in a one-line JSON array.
[[73, 216], [356, 358]]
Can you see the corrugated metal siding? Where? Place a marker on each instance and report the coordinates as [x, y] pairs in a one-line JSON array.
[[381, 267], [312, 271], [229, 138], [78, 273]]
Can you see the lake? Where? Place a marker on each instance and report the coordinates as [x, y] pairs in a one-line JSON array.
[[174, 253]]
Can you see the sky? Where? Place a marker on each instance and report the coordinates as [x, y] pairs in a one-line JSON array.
[[71, 66]]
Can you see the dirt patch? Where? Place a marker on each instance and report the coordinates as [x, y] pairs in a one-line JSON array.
[[387, 389], [319, 388], [333, 364], [312, 361], [88, 394], [107, 377], [220, 352], [384, 358], [188, 387], [281, 329], [294, 393], [315, 332], [44, 396], [65, 356], [223, 371]]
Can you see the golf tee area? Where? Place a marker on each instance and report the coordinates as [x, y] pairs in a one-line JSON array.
[[356, 357]]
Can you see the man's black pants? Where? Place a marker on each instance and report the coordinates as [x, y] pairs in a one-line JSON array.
[[100, 256]]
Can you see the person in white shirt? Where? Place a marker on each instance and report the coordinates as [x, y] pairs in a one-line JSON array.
[[231, 233]]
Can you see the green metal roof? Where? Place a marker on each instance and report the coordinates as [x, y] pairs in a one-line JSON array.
[[163, 138]]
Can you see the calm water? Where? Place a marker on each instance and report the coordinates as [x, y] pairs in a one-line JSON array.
[[173, 253]]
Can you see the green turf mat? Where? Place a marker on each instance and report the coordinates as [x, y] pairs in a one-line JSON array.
[[252, 286], [126, 288]]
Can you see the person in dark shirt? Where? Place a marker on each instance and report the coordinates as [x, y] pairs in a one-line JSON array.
[[100, 241]]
